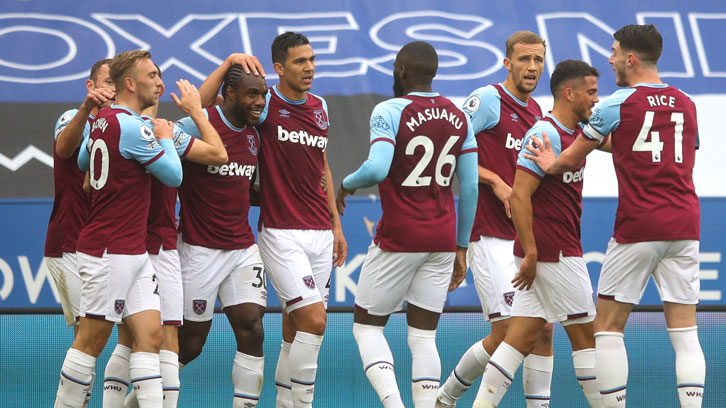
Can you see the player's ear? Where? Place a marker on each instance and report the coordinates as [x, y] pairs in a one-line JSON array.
[[90, 85], [129, 84], [279, 68], [507, 64]]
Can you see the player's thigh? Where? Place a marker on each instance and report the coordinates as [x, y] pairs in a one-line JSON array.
[[168, 272], [569, 291], [626, 269], [143, 294], [320, 253], [287, 264], [385, 279], [64, 271], [430, 282], [246, 282], [492, 265], [527, 303], [677, 274], [203, 270]]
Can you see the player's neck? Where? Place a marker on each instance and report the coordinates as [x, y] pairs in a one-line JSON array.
[[290, 93], [228, 112], [647, 76], [565, 116], [523, 97], [130, 102], [418, 88]]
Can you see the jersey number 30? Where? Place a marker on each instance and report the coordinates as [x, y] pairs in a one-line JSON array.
[[415, 179], [655, 146]]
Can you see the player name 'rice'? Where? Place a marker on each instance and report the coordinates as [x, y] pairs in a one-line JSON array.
[[661, 100], [302, 137], [433, 114], [233, 169]]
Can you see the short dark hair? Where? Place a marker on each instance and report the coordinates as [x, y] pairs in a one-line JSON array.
[[232, 78], [96, 66], [421, 56], [570, 69], [643, 39], [524, 37], [284, 42]]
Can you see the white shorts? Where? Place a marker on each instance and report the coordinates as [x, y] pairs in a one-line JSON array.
[[168, 272], [233, 276], [673, 264], [561, 292], [491, 261], [388, 278], [64, 271], [116, 286], [299, 263]]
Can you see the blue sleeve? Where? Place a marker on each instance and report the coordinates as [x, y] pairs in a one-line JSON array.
[[606, 117], [168, 167], [537, 130], [188, 127], [65, 119], [263, 115], [470, 141], [468, 174], [137, 142], [373, 170], [385, 118], [84, 156], [483, 107], [182, 140], [325, 108]]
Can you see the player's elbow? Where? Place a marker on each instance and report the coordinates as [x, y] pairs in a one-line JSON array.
[[220, 158], [379, 174], [174, 179]]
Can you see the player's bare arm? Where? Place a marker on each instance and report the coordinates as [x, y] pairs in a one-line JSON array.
[[525, 185], [541, 153], [340, 246], [340, 198], [71, 136], [211, 151], [501, 189], [210, 87], [459, 268]]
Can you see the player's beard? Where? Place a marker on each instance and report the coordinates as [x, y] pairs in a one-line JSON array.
[[242, 115], [397, 86]]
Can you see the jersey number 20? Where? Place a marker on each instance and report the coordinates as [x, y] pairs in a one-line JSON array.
[[414, 179]]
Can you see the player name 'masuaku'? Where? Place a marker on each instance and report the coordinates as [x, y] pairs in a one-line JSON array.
[[434, 114], [302, 137]]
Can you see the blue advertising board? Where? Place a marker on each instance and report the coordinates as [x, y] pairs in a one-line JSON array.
[[47, 48], [25, 282]]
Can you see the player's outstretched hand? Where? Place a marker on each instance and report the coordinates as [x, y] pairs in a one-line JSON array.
[[163, 129], [190, 101], [459, 268], [98, 98], [249, 63], [527, 271], [540, 152], [340, 247], [340, 199], [503, 191]]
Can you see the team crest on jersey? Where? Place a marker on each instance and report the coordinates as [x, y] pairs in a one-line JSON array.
[[320, 119], [199, 306], [309, 281], [253, 144], [509, 298], [284, 113], [472, 104], [515, 118], [118, 306]]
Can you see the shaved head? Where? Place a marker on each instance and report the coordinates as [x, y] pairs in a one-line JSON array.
[[419, 58]]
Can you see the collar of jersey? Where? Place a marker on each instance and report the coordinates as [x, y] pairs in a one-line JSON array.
[[559, 125], [226, 122], [424, 94], [650, 85], [290, 101], [125, 109], [512, 96]]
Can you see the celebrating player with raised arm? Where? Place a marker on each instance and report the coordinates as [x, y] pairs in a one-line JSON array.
[[118, 280], [71, 202], [654, 135], [501, 114], [418, 140], [552, 284]]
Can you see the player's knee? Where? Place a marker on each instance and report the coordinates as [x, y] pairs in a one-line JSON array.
[[190, 347], [315, 325], [94, 345], [150, 339], [545, 336], [250, 329]]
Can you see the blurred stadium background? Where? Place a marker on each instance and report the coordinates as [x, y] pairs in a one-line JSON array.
[[47, 48]]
